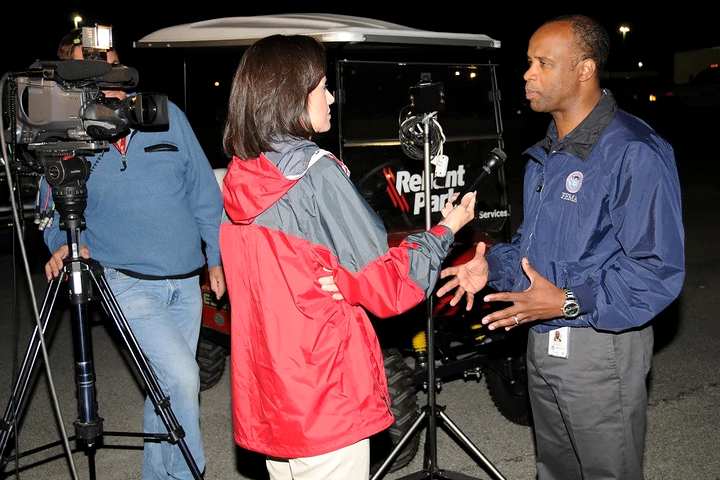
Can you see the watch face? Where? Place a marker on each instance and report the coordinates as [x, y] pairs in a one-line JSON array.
[[571, 309]]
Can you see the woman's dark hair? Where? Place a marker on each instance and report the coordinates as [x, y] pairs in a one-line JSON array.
[[268, 99]]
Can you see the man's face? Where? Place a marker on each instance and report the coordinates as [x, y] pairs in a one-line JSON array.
[[552, 78]]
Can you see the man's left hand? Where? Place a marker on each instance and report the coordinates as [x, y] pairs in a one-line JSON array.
[[217, 280], [541, 301]]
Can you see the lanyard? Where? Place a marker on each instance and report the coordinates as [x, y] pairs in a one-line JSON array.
[[121, 146]]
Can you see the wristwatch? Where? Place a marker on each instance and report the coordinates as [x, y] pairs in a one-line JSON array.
[[571, 307]]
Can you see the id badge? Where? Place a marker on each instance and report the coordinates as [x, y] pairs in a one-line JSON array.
[[558, 342]]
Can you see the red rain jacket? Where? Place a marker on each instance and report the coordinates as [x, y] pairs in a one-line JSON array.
[[307, 371]]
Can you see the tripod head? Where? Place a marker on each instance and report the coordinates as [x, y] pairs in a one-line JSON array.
[[66, 174], [66, 171]]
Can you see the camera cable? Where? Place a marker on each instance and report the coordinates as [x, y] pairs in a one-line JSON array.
[[31, 289], [16, 350]]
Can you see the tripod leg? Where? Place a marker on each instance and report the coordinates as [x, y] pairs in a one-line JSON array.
[[403, 441], [161, 402], [91, 464], [430, 461], [471, 446], [17, 398], [88, 426]]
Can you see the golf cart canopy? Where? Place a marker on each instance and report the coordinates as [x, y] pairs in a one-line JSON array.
[[326, 28]]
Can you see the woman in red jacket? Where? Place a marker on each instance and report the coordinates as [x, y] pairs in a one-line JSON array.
[[308, 381]]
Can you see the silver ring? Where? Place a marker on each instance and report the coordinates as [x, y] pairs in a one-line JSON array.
[[517, 322]]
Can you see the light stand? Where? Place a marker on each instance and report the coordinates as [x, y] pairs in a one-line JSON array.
[[67, 177], [431, 412]]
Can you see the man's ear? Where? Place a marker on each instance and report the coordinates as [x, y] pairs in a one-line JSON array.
[[587, 70]]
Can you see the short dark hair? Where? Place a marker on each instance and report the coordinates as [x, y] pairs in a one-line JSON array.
[[68, 42], [268, 99], [592, 39]]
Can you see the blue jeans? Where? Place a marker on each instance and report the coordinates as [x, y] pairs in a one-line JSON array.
[[165, 316]]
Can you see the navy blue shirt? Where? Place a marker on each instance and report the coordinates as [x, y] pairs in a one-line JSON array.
[[602, 217]]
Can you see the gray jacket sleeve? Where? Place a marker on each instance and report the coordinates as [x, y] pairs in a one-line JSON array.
[[373, 274]]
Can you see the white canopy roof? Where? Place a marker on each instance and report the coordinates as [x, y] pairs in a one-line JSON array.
[[326, 28]]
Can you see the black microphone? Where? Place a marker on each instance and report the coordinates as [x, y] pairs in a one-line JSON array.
[[496, 158], [102, 73], [119, 76], [75, 70]]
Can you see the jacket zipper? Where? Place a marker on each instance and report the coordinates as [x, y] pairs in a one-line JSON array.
[[123, 155], [541, 192]]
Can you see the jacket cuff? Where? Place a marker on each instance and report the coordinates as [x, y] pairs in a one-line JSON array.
[[441, 230], [494, 267], [212, 256], [585, 295], [346, 285]]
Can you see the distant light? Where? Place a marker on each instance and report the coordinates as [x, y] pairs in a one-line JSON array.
[[77, 19], [624, 29], [640, 64], [457, 73], [473, 74], [652, 98], [217, 84], [714, 65]]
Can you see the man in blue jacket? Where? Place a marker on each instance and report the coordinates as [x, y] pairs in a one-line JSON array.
[[598, 255], [152, 200]]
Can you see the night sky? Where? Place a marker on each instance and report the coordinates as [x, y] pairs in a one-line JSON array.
[[656, 32], [32, 29]]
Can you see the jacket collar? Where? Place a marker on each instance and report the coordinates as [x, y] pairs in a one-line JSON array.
[[581, 140]]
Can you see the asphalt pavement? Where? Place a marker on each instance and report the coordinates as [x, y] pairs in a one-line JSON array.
[[683, 414]]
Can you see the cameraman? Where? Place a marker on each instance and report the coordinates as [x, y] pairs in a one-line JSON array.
[[152, 198]]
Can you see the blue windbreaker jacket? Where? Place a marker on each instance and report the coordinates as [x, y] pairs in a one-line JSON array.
[[608, 227]]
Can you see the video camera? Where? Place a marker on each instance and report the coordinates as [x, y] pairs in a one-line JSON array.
[[64, 101], [68, 104], [61, 111]]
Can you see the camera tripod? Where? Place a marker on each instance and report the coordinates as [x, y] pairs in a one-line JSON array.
[[82, 275], [432, 412]]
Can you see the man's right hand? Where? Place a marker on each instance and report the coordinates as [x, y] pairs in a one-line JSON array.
[[469, 278], [55, 264]]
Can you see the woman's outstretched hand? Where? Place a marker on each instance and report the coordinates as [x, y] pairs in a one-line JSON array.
[[461, 214]]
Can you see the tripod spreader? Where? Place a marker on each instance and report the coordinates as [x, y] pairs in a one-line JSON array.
[[86, 282]]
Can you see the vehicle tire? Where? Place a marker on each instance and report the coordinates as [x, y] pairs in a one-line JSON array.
[[506, 379], [211, 360], [404, 406]]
